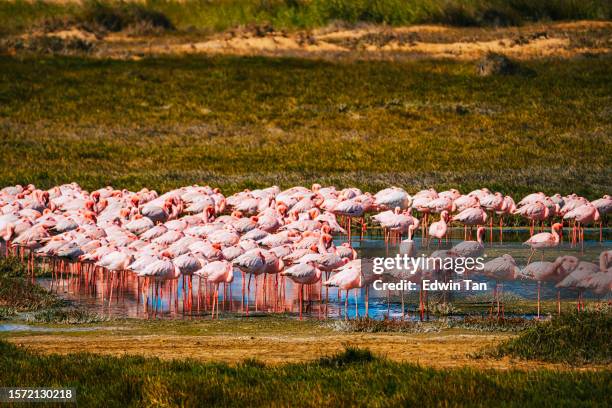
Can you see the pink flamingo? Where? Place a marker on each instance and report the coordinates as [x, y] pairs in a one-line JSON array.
[[470, 248], [604, 206], [217, 272], [508, 207], [583, 215], [540, 271], [407, 246], [350, 209], [303, 274], [252, 262], [492, 203], [583, 272], [544, 240], [438, 229], [536, 211], [502, 268], [470, 216], [347, 278]]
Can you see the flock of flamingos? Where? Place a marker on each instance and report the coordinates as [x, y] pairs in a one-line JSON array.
[[268, 235]]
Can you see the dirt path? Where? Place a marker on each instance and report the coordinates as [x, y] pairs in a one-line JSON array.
[[561, 40], [441, 350]]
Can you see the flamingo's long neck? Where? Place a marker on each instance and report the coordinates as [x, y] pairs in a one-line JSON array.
[[555, 235], [479, 236]]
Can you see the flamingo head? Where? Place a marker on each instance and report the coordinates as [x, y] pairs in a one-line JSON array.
[[282, 208], [326, 239], [10, 229], [313, 213], [91, 216]]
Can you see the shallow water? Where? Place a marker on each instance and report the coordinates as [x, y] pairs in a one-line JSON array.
[[131, 299]]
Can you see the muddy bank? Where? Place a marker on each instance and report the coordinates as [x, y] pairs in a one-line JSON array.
[[559, 40]]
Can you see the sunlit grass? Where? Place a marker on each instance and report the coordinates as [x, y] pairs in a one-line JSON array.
[[574, 338], [249, 122], [206, 15], [354, 377]]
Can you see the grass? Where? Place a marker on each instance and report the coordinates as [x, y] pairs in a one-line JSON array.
[[18, 294], [249, 122], [217, 15], [573, 338], [354, 377], [20, 299]]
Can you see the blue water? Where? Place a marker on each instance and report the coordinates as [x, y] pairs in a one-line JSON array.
[[127, 301]]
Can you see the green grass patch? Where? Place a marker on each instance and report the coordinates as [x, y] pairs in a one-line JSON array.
[[249, 122], [216, 15], [18, 294], [20, 299], [573, 338], [354, 377]]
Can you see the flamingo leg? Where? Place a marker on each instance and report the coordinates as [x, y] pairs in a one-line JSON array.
[[538, 300], [366, 300], [346, 305]]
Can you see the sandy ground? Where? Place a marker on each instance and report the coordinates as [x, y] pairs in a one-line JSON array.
[[562, 40], [447, 349]]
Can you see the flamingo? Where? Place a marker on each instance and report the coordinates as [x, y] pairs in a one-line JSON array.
[[544, 240], [252, 262], [582, 273], [469, 248], [604, 206], [502, 269], [438, 229], [535, 211], [508, 207], [217, 272], [541, 271], [303, 274], [160, 270], [583, 215], [391, 198], [407, 246], [350, 209], [347, 278], [471, 216], [492, 203]]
